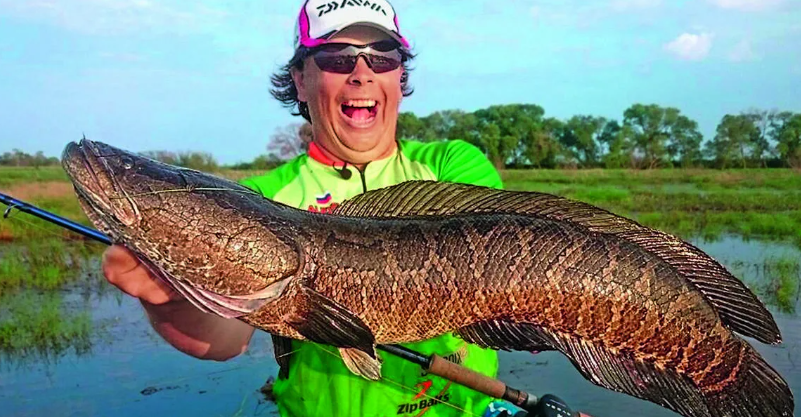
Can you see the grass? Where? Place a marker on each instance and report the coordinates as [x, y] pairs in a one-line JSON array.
[[701, 179], [776, 280], [35, 324], [9, 176], [46, 264], [37, 261], [763, 204]]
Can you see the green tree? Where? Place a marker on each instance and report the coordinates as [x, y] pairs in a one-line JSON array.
[[514, 123], [619, 141], [410, 126], [541, 146], [761, 148], [497, 147], [23, 159], [200, 161], [662, 135], [734, 141], [166, 157], [580, 138], [449, 125], [786, 131], [684, 147]]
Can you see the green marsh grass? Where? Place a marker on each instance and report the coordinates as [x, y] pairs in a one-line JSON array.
[[10, 176], [756, 203], [776, 280], [37, 324], [38, 262]]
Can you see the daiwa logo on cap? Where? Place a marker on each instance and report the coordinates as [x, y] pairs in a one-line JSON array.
[[335, 5], [321, 19]]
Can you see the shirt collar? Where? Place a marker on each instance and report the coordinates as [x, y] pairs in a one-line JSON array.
[[316, 154]]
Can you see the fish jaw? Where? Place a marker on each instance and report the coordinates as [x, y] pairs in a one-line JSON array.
[[93, 171]]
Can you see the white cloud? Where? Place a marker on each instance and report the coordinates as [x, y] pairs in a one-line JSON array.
[[742, 52], [627, 5], [690, 47], [748, 5]]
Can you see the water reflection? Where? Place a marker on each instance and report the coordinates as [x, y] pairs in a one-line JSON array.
[[124, 368], [772, 270]]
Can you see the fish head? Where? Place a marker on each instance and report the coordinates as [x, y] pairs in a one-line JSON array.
[[96, 171], [212, 240]]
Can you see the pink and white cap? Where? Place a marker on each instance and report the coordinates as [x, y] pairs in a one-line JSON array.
[[321, 19]]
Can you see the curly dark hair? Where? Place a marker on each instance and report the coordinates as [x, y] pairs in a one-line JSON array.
[[284, 89]]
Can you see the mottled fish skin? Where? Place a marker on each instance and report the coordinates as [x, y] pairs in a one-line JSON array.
[[635, 310], [441, 276]]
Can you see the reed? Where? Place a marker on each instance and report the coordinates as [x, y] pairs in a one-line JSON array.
[[37, 324]]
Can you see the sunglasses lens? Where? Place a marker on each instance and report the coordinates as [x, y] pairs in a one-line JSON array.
[[381, 63], [341, 59], [339, 64]]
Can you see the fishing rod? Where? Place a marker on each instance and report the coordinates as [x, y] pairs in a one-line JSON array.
[[546, 406]]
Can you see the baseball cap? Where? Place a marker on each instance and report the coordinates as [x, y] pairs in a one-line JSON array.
[[319, 20]]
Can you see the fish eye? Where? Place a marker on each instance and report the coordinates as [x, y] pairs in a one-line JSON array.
[[127, 162]]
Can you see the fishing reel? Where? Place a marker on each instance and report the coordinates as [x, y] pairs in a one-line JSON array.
[[547, 406]]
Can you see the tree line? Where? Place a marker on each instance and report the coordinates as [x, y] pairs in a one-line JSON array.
[[18, 158], [648, 136], [521, 136]]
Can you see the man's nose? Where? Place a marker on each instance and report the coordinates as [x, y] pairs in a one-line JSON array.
[[362, 74]]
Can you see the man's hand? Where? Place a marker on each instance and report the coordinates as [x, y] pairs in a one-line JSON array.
[[123, 270], [186, 328]]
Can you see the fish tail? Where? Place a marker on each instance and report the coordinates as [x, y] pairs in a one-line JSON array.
[[753, 389], [758, 390]]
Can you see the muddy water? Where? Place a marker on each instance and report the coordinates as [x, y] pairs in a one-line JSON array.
[[131, 372]]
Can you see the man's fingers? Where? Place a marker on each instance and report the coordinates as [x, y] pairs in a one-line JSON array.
[[154, 292], [119, 259], [123, 270]]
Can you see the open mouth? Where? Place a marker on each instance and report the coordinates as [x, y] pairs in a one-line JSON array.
[[360, 112]]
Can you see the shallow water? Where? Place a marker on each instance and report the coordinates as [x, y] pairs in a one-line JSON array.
[[131, 372]]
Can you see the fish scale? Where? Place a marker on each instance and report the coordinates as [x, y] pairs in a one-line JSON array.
[[634, 309]]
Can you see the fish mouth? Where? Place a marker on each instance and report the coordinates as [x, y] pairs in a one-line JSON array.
[[96, 183]]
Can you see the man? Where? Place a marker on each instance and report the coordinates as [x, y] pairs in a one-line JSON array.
[[347, 78]]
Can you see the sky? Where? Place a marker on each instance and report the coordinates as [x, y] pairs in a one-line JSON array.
[[194, 75]]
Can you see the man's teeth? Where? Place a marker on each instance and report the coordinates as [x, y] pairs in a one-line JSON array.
[[360, 103]]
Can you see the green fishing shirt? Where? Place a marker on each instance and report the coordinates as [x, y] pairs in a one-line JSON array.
[[318, 383]]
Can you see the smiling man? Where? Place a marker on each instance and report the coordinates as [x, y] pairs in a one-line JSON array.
[[347, 78]]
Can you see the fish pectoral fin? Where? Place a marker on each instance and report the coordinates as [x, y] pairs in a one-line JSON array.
[[323, 320], [362, 363], [282, 349], [505, 335]]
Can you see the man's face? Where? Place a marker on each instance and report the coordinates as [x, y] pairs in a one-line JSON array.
[[354, 115]]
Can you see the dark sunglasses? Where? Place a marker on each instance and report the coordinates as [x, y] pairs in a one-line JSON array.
[[341, 58]]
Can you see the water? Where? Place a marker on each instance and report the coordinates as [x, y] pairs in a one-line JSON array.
[[131, 372]]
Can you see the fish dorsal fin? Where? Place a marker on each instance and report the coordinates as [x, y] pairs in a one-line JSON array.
[[737, 306]]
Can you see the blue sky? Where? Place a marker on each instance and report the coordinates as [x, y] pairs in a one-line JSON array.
[[181, 75]]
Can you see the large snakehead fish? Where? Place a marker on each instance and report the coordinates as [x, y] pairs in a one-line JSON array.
[[635, 310]]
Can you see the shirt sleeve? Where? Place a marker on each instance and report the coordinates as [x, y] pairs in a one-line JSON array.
[[465, 163]]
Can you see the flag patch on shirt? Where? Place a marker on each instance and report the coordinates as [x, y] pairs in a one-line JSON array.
[[325, 198]]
